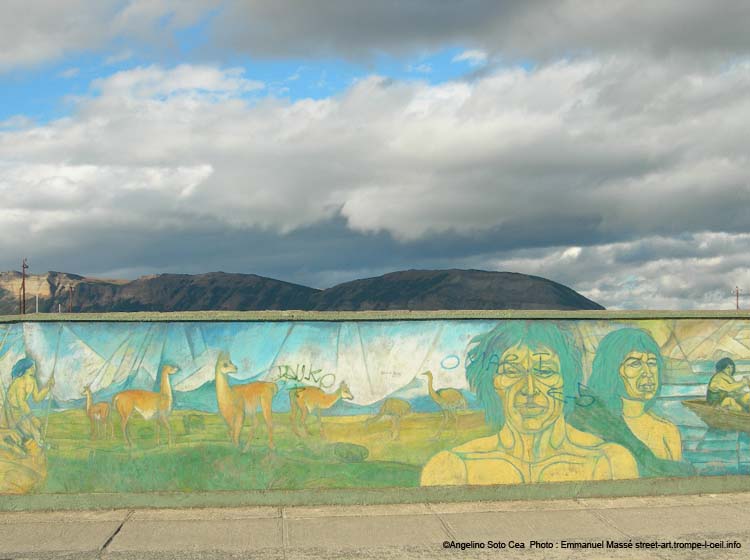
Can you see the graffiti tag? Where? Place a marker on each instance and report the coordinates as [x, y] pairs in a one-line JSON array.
[[301, 373], [583, 400]]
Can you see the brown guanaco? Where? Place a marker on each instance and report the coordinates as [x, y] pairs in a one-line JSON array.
[[149, 404], [239, 400], [98, 414], [304, 400]]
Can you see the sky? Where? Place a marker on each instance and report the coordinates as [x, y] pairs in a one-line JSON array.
[[603, 145]]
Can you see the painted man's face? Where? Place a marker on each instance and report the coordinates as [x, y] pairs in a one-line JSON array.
[[530, 384], [639, 372]]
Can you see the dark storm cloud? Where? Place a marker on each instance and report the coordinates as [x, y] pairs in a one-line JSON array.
[[35, 32], [532, 29]]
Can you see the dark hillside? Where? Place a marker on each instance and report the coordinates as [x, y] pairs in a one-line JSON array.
[[411, 289]]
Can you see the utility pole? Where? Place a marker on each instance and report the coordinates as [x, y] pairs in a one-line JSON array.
[[24, 266], [737, 293], [70, 299]]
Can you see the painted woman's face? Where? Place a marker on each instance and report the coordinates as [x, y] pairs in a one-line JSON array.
[[639, 372], [529, 383]]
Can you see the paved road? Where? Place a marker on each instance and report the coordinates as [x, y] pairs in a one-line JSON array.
[[391, 532]]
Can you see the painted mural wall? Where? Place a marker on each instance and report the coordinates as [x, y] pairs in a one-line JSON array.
[[197, 406]]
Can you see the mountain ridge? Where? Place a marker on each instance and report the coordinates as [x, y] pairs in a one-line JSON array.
[[445, 289]]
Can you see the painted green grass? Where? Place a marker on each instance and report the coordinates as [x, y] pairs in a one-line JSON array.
[[216, 467], [203, 460]]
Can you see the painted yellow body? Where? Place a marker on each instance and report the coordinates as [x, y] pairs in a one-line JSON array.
[[737, 400], [237, 401], [562, 454], [661, 436], [641, 378], [535, 443], [18, 411], [23, 468]]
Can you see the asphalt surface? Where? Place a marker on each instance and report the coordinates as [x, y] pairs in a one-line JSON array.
[[655, 528]]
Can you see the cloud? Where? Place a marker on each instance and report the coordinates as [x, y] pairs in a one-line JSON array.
[[44, 30], [536, 30], [70, 73], [36, 32], [120, 56], [420, 68], [474, 57], [186, 80], [546, 170], [696, 271]]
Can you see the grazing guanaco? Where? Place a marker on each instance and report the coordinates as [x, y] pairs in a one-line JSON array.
[[149, 404], [98, 414], [304, 400], [238, 400], [396, 409]]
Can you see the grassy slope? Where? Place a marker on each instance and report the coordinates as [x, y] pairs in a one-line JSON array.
[[204, 460]]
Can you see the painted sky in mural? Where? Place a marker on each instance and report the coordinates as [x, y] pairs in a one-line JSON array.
[[376, 359]]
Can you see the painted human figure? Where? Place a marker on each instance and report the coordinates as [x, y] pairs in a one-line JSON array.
[[23, 387], [626, 376], [23, 463], [725, 391], [525, 374]]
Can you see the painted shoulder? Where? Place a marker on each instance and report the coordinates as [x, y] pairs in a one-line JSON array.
[[444, 469], [479, 445], [668, 427], [616, 463], [582, 439]]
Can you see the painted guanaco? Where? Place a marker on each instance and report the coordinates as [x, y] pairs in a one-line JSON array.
[[396, 409], [149, 404], [304, 400], [239, 400], [98, 414]]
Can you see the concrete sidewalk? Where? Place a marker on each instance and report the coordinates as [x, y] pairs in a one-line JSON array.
[[398, 531]]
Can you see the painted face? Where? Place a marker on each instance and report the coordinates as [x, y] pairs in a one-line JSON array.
[[345, 392], [31, 372], [226, 366], [530, 386], [639, 372]]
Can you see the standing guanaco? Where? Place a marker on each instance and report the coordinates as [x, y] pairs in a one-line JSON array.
[[304, 400], [238, 400], [98, 414], [148, 404]]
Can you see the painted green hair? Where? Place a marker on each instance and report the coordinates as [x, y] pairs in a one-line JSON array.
[[483, 359], [605, 380]]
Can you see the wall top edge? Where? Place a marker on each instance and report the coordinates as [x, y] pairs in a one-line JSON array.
[[395, 315]]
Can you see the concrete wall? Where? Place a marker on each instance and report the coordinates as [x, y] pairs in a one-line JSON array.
[[349, 403]]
